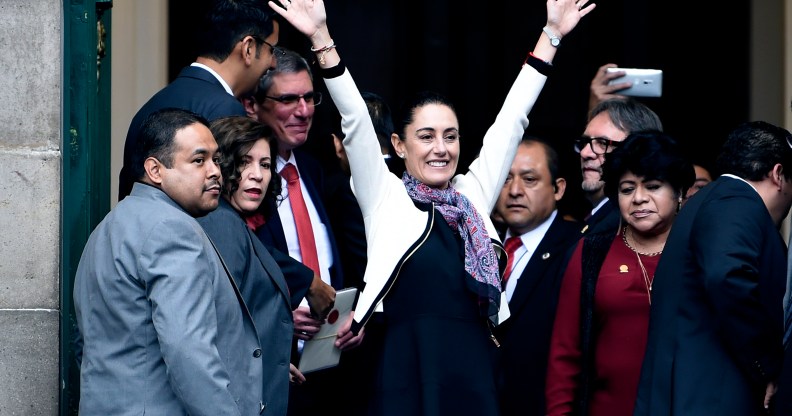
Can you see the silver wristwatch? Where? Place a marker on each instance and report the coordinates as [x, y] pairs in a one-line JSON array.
[[554, 40]]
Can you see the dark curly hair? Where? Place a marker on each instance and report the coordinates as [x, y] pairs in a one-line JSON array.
[[235, 136], [652, 155]]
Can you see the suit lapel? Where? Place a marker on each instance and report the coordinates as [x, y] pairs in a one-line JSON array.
[[554, 244], [268, 263], [271, 232]]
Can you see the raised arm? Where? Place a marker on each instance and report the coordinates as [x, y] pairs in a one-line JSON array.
[[310, 18], [488, 172], [562, 17]]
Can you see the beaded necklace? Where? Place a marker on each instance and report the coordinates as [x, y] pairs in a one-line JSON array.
[[647, 281]]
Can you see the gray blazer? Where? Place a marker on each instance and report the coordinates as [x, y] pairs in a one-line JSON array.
[[164, 329], [266, 294]]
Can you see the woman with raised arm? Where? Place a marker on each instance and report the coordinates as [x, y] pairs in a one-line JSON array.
[[433, 251]]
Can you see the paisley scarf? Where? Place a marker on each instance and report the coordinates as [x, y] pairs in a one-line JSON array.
[[480, 259]]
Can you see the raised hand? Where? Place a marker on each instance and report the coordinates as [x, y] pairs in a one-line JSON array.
[[307, 16], [564, 15], [600, 90]]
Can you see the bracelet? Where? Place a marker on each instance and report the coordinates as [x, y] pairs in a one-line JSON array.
[[323, 50], [543, 67]]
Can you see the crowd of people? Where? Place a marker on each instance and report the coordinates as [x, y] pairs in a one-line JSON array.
[[198, 292]]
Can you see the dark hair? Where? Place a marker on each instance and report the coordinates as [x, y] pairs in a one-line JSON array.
[[157, 137], [753, 148], [235, 136], [226, 22], [628, 115], [651, 155], [288, 62], [380, 114], [553, 162], [421, 99]]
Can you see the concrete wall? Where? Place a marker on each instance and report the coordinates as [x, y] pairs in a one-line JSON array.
[[31, 32], [140, 68]]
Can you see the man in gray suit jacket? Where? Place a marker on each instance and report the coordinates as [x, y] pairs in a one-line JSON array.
[[164, 329]]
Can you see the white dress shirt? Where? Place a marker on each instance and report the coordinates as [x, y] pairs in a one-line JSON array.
[[323, 250], [522, 256]]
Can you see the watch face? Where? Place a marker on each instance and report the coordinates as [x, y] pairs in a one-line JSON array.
[[555, 41]]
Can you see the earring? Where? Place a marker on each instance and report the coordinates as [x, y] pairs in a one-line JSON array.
[[401, 155]]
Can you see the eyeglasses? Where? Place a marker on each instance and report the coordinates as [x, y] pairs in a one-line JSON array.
[[273, 49], [271, 46], [311, 98], [599, 145]]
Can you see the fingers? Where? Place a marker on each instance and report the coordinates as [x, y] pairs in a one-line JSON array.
[[321, 298], [349, 341], [295, 375]]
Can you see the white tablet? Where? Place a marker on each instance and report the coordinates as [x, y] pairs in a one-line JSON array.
[[320, 352]]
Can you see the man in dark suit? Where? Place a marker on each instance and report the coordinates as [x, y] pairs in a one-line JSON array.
[[716, 323], [782, 401], [610, 122], [162, 328], [211, 85], [527, 206], [286, 101]]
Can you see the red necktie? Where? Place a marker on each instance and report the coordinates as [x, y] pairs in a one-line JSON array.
[[302, 220], [512, 244]]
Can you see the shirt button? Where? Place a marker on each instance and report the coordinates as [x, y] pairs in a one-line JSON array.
[[257, 353]]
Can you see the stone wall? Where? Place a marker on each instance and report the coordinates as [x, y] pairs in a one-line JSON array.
[[31, 34]]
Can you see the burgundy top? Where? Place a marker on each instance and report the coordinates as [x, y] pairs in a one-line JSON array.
[[621, 321]]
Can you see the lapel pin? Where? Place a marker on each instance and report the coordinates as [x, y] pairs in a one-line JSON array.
[[623, 269], [545, 256]]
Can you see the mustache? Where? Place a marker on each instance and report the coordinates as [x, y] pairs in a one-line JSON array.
[[214, 183], [590, 166]]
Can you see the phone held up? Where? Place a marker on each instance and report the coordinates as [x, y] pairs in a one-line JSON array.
[[645, 82]]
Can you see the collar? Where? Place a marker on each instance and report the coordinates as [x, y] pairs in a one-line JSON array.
[[216, 75], [600, 205], [740, 179], [280, 162], [532, 238]]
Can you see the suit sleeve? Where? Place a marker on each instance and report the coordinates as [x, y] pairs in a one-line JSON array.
[[729, 249], [180, 275], [349, 231], [563, 365], [298, 276]]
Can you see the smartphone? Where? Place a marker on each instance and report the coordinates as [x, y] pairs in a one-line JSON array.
[[645, 82]]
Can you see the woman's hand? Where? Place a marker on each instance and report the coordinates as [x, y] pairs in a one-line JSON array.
[[307, 16], [310, 18], [346, 339], [564, 15]]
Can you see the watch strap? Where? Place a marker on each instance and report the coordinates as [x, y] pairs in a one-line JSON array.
[[554, 39]]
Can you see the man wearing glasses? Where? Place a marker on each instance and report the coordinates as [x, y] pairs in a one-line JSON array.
[[286, 101], [211, 85], [610, 122]]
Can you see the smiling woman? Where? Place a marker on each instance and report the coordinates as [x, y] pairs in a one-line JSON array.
[[432, 256]]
